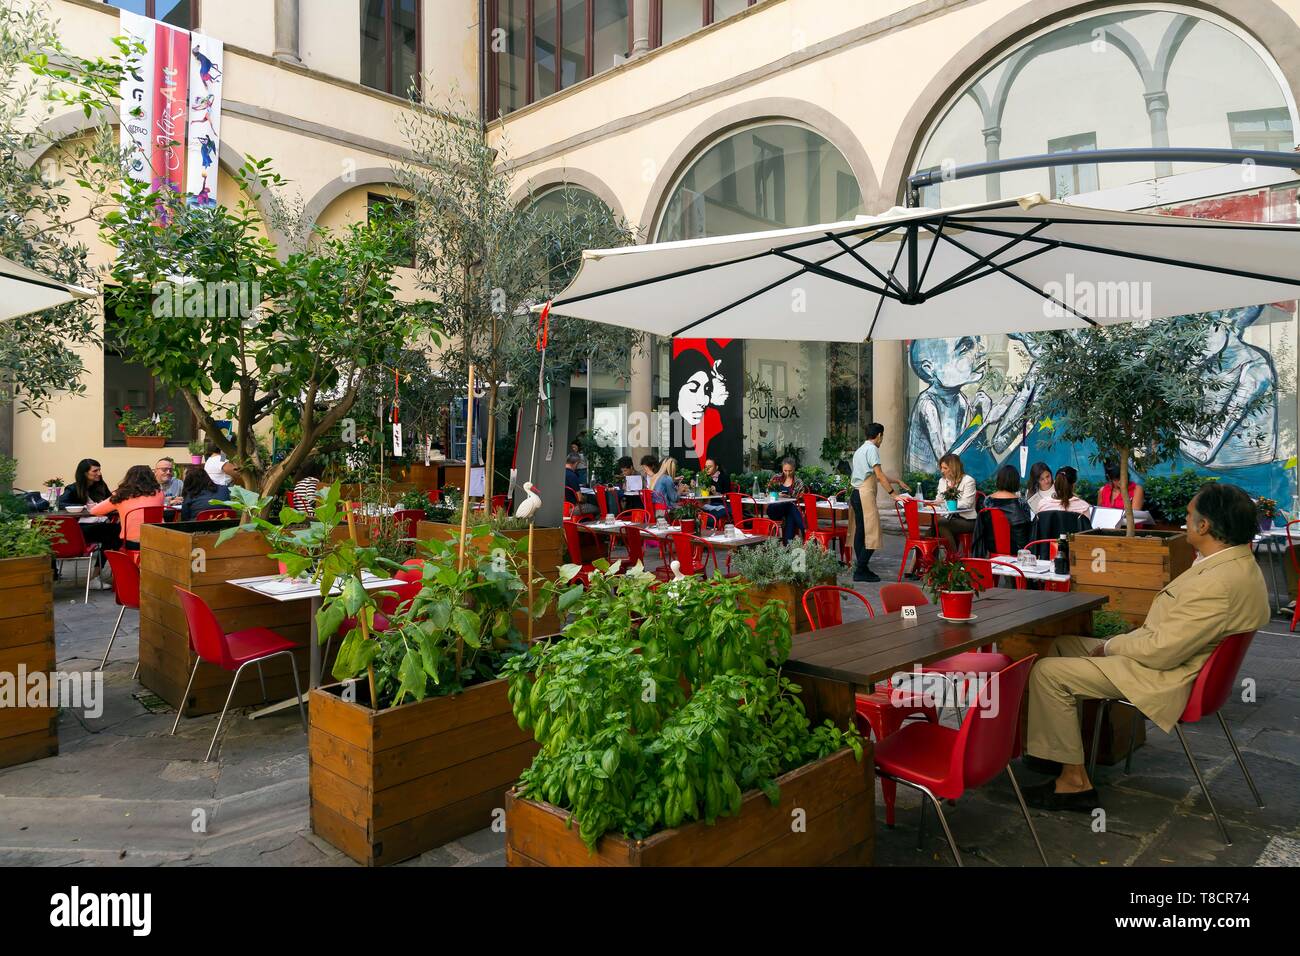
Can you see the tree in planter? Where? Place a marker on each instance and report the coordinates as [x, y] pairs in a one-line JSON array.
[[1136, 390], [208, 306], [486, 260]]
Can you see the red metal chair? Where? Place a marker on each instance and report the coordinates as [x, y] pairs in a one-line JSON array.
[[499, 502], [944, 763], [1001, 530], [409, 520], [636, 516], [216, 514], [434, 496], [761, 526], [693, 554], [926, 549], [834, 538], [1210, 692], [705, 521], [126, 591], [648, 500], [69, 544], [230, 652], [895, 596], [573, 542], [1052, 547], [636, 553], [288, 500], [883, 711], [982, 570], [736, 507], [643, 517], [154, 514], [602, 499]]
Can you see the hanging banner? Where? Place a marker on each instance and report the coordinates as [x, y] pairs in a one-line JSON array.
[[204, 122], [706, 379], [171, 109]]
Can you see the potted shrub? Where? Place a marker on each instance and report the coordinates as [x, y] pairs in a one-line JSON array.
[[1134, 392], [950, 496], [669, 736], [1266, 508], [146, 431], [26, 636], [782, 572], [954, 587], [196, 451], [1167, 496]]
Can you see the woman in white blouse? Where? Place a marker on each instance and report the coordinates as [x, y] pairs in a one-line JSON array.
[[1040, 485], [953, 524], [1064, 498]]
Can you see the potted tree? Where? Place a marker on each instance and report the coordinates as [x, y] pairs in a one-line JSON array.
[[685, 745], [777, 571], [954, 587], [1135, 392]]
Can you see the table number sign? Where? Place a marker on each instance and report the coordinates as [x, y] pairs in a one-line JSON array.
[[908, 612]]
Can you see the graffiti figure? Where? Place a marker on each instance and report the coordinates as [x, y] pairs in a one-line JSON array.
[[942, 413], [1247, 397], [208, 71], [702, 393]]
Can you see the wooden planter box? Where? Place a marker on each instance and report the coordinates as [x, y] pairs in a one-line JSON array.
[[548, 555], [169, 556], [27, 640], [388, 785], [837, 794], [1136, 569], [793, 599]]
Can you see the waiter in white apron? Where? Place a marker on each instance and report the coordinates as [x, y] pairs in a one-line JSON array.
[[867, 476]]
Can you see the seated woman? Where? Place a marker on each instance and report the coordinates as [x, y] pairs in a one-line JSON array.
[[198, 492], [1063, 497], [789, 511], [1109, 495], [138, 490], [88, 488], [1007, 500], [1040, 484], [304, 492], [663, 483], [954, 524]]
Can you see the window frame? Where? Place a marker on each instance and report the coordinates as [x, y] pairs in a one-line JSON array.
[[151, 7], [388, 45], [180, 410]]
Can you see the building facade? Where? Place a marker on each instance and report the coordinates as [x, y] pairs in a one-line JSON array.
[[694, 118]]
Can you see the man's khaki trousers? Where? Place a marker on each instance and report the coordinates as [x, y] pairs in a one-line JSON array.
[[1057, 680]]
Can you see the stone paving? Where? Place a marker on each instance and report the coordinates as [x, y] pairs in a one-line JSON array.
[[123, 792]]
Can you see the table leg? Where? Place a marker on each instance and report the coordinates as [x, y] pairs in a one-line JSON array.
[[313, 668]]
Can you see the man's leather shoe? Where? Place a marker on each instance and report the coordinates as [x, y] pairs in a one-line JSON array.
[[866, 575], [1044, 797], [1039, 765]]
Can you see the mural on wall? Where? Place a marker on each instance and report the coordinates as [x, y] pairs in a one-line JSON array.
[[705, 378], [974, 395]]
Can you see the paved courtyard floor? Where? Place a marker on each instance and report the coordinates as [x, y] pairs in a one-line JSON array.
[[122, 792]]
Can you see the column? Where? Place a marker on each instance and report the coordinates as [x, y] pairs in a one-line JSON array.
[[992, 153], [889, 407], [286, 31], [640, 401], [1158, 114], [640, 28]]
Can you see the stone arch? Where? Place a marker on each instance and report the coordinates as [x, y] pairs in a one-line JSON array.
[[365, 176], [569, 176]]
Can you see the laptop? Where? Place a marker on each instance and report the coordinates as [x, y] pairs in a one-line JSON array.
[[1114, 517], [633, 484]]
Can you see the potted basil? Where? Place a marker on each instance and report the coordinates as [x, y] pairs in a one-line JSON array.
[[953, 585]]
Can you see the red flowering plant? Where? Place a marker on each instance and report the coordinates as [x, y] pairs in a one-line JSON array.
[[133, 424]]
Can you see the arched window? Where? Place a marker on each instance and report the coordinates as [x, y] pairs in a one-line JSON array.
[[1131, 78], [764, 177]]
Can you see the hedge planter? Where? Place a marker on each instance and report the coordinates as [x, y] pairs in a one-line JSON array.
[[837, 828], [1129, 571], [548, 555], [791, 596], [388, 785], [27, 641], [146, 441]]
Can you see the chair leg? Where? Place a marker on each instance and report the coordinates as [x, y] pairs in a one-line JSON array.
[[112, 637], [181, 709], [229, 697], [1132, 740], [920, 828], [136, 673], [262, 678], [943, 821], [1259, 801], [297, 688], [1096, 736], [1201, 780], [90, 564], [1015, 785]]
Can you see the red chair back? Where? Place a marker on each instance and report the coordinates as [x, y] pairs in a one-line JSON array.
[[1217, 678], [692, 553], [762, 526], [413, 574], [73, 544], [602, 499], [736, 506], [207, 639], [1001, 530], [636, 515], [573, 541], [982, 570], [635, 549], [826, 609], [409, 519], [126, 578], [216, 514], [499, 502], [894, 596], [434, 496], [289, 500], [990, 730], [909, 516], [648, 499], [705, 521], [568, 509], [810, 511], [1051, 543]]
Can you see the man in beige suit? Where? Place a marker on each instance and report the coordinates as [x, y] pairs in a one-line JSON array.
[[1154, 666]]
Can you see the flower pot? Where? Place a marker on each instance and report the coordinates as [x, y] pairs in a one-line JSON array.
[[952, 504], [687, 525], [146, 441], [27, 641], [196, 459], [956, 605]]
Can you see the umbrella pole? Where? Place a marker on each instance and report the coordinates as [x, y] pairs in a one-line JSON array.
[[464, 499], [530, 580]]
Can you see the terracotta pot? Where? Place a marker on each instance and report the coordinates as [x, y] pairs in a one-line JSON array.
[[146, 441], [956, 605]]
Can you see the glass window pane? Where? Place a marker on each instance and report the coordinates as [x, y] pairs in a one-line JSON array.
[[610, 18], [727, 8], [574, 62], [406, 55], [132, 6], [544, 65], [680, 17], [374, 61], [508, 46], [176, 12]]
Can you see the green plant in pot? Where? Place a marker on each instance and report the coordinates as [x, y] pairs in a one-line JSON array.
[[1266, 509], [950, 496], [777, 562], [953, 585], [662, 705]]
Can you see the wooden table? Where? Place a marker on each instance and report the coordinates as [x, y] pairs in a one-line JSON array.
[[1041, 571], [831, 663]]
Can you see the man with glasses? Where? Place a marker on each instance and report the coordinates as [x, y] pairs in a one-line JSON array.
[[164, 470]]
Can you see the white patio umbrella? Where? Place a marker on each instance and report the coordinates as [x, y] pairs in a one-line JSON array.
[[1023, 264], [24, 291]]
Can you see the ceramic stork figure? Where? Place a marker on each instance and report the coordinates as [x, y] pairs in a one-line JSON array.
[[528, 509]]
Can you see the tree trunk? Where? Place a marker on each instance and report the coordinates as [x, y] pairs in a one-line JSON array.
[[490, 457], [1129, 525]]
